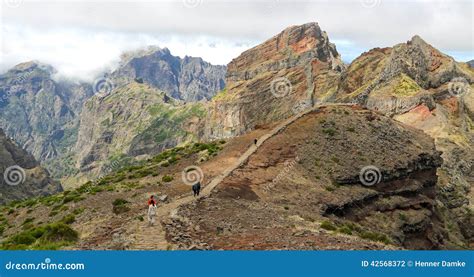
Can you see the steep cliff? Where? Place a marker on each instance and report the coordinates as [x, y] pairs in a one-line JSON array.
[[38, 112], [275, 79], [135, 120], [189, 78], [20, 174], [418, 85]]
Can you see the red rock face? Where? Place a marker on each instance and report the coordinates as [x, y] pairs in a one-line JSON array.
[[294, 46], [273, 80]]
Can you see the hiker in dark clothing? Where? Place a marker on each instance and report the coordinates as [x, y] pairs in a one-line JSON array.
[[197, 188], [255, 141]]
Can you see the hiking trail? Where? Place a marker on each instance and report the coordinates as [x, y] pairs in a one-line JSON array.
[[153, 238]]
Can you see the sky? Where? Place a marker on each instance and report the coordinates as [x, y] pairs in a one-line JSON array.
[[82, 38]]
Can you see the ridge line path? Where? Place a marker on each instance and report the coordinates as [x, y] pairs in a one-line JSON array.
[[153, 238]]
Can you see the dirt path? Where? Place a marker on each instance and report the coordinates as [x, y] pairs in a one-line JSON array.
[[153, 238]]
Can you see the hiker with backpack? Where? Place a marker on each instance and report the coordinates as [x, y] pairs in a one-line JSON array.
[[197, 189], [151, 211]]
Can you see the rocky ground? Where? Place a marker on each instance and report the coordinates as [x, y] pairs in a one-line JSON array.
[[307, 178]]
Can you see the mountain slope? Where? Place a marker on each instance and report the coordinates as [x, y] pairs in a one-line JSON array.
[[135, 120], [248, 210], [287, 73], [38, 112], [418, 85], [21, 176], [189, 78], [303, 178], [471, 63]]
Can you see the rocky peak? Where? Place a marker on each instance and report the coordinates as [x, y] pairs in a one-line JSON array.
[[35, 109], [406, 69], [189, 79], [269, 82], [30, 66], [291, 47]]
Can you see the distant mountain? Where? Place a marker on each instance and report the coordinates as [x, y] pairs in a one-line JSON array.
[[189, 78], [134, 120], [44, 115], [20, 174], [150, 107], [471, 63], [38, 112]]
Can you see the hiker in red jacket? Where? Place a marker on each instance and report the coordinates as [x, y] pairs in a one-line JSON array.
[[151, 201], [151, 211]]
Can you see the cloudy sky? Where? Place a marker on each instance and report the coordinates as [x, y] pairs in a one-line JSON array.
[[80, 38]]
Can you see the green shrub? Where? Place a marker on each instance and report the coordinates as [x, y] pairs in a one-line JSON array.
[[53, 213], [330, 188], [68, 219], [28, 220], [167, 178], [328, 225], [74, 196], [119, 202], [329, 131], [78, 211], [57, 232], [345, 230], [24, 238], [120, 206], [402, 216], [375, 236]]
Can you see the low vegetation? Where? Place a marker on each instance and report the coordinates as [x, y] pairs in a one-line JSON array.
[[120, 206], [33, 234], [45, 237], [350, 228]]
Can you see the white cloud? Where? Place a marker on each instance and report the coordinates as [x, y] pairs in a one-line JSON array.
[[83, 54], [79, 38]]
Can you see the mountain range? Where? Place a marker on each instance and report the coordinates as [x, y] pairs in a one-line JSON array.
[[282, 134]]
